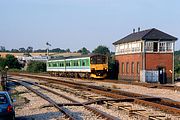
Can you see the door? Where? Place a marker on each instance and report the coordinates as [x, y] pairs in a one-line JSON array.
[[162, 75]]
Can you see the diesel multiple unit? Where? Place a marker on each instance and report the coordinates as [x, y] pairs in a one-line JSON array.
[[89, 66]]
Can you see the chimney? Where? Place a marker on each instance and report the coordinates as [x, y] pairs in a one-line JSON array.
[[139, 29], [133, 30]]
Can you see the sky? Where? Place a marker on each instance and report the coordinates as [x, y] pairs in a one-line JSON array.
[[75, 24]]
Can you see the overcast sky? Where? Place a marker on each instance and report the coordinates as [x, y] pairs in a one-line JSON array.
[[75, 24]]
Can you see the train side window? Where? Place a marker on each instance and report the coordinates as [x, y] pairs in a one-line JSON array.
[[83, 63], [68, 63], [61, 64], [87, 62], [79, 62], [93, 60], [54, 64], [76, 63]]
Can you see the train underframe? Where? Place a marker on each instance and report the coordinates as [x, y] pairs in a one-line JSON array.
[[100, 74]]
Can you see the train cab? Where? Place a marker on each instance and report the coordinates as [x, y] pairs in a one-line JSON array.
[[99, 66]]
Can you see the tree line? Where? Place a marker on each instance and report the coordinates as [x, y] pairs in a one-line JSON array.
[[30, 50], [100, 49]]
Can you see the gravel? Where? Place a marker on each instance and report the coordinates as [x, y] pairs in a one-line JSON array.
[[33, 110]]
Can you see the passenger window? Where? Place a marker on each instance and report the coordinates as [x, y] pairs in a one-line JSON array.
[[83, 63]]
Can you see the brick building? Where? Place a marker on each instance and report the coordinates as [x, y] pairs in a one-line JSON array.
[[146, 56]]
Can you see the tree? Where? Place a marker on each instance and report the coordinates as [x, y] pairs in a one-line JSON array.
[[177, 63], [58, 50], [84, 51], [36, 66], [2, 49], [14, 50], [2, 63], [68, 50], [12, 62], [22, 50], [102, 50], [30, 49]]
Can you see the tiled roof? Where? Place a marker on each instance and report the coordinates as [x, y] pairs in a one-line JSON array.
[[150, 34]]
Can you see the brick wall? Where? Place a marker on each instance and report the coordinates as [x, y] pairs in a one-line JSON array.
[[135, 58], [153, 60]]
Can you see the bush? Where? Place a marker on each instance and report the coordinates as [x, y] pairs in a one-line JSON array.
[[14, 70]]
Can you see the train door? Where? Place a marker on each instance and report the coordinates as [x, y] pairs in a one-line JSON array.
[[162, 75]]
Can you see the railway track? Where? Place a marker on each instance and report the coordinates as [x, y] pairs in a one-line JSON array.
[[60, 107], [165, 105], [148, 85]]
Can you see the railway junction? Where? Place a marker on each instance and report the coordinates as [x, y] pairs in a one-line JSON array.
[[44, 97]]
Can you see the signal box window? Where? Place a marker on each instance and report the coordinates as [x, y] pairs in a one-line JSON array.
[[132, 67], [162, 46], [127, 67], [169, 46], [122, 68], [138, 67]]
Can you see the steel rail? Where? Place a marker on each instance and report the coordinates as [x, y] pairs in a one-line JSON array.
[[148, 85], [61, 109], [92, 109], [169, 108]]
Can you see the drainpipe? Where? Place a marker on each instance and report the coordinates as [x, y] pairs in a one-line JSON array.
[[173, 64], [143, 61]]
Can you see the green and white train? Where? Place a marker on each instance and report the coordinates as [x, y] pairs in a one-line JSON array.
[[89, 66]]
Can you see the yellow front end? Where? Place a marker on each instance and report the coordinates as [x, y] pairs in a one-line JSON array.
[[99, 70]]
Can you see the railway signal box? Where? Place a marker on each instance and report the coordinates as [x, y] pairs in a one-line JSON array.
[[146, 56]]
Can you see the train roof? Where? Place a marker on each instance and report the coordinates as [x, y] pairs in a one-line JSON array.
[[71, 57]]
